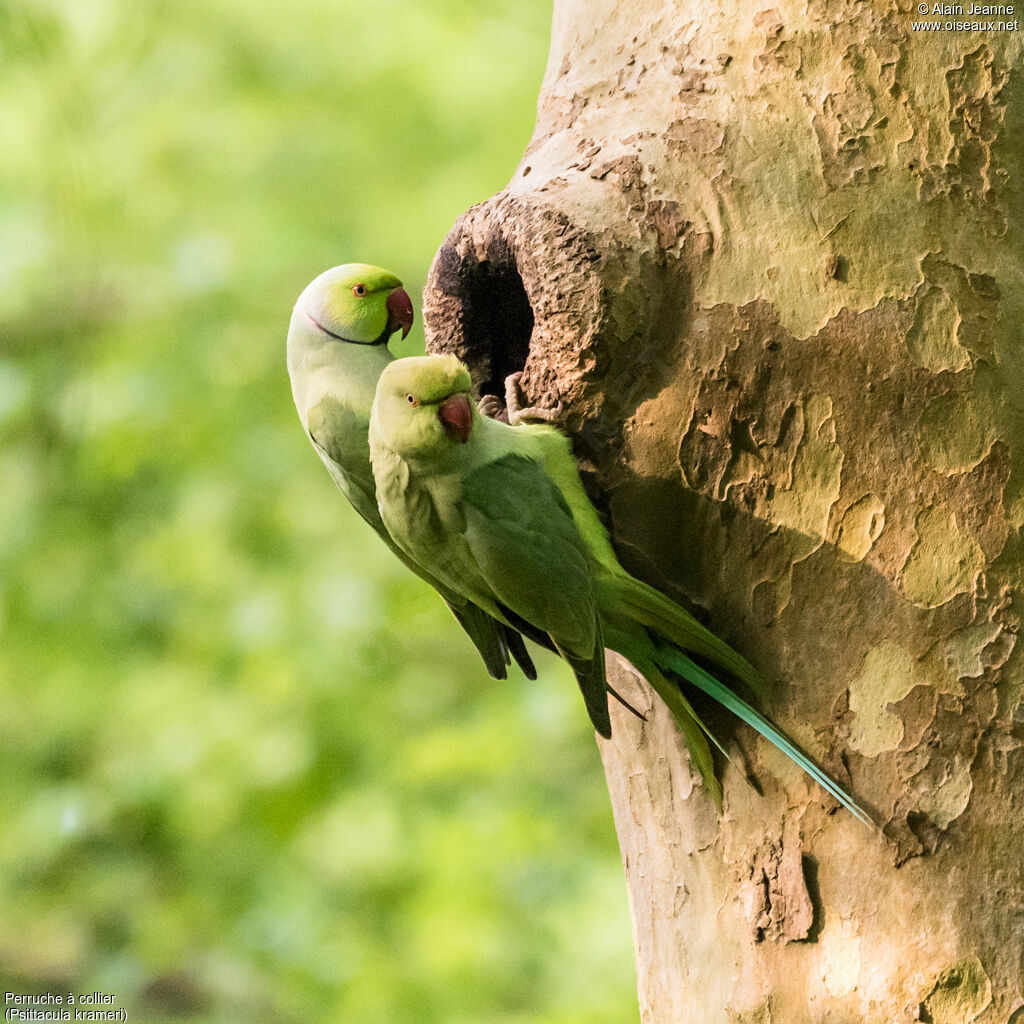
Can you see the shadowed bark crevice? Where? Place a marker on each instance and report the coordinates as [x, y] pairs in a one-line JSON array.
[[487, 308]]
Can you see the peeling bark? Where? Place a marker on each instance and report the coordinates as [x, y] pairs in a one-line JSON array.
[[770, 261]]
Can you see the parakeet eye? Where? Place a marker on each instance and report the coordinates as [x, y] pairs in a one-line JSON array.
[[411, 399], [359, 289]]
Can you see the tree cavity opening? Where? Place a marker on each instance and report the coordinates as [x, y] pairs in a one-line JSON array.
[[497, 322], [480, 310]]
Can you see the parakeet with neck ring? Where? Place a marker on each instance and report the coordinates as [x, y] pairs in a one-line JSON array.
[[337, 350]]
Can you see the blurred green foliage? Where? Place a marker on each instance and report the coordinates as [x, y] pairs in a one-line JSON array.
[[249, 768]]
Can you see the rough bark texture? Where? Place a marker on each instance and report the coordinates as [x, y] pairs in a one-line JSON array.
[[770, 260]]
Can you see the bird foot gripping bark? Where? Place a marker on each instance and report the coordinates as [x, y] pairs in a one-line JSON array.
[[518, 413], [513, 411], [493, 408]]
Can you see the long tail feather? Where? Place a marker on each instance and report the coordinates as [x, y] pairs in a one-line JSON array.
[[674, 623], [693, 729], [516, 647], [682, 666], [590, 677], [486, 635]]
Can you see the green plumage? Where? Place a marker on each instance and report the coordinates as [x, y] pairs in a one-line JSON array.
[[336, 353], [500, 515]]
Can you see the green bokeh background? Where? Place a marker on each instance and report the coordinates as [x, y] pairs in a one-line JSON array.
[[249, 768]]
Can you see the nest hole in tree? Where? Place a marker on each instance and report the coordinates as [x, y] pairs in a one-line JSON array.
[[489, 316], [497, 322]]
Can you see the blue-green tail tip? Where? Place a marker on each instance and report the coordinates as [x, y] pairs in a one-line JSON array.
[[685, 668]]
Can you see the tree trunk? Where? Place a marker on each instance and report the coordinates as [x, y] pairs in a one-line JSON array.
[[770, 260]]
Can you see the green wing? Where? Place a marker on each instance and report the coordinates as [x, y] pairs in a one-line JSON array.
[[520, 533], [339, 436], [619, 594]]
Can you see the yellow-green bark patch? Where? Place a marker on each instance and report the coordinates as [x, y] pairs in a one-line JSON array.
[[861, 526], [960, 994], [946, 803], [952, 436], [932, 341], [943, 563], [804, 506], [889, 673], [964, 647]]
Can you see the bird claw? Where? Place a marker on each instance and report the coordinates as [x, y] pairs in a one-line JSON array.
[[517, 413], [492, 407]]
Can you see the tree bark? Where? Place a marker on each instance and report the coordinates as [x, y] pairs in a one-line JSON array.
[[770, 260]]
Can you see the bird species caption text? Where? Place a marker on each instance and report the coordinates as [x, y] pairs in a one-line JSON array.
[[69, 1006]]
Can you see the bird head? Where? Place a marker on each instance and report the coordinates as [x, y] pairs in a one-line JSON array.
[[356, 303], [424, 405]]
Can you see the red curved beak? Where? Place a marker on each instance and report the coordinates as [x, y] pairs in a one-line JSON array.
[[399, 307], [456, 417]]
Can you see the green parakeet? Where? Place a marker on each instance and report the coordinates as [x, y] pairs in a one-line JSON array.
[[337, 349], [500, 515]]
